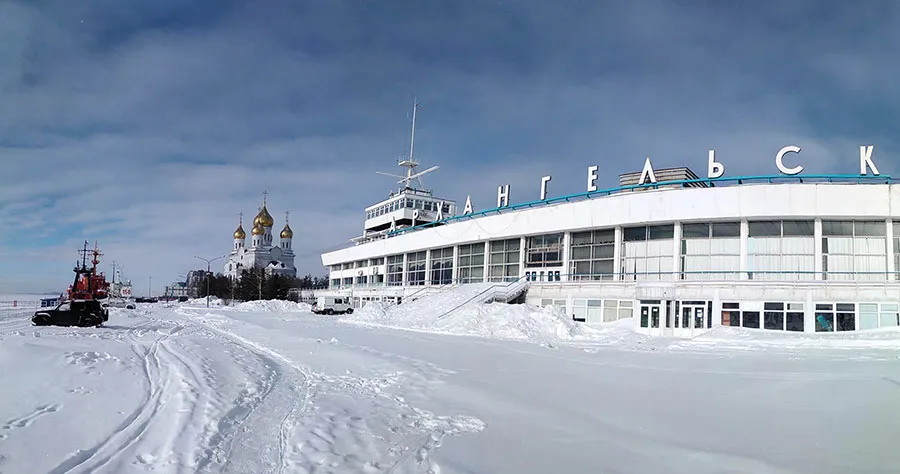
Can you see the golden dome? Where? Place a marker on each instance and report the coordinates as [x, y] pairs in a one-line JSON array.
[[257, 230], [239, 233], [287, 233], [264, 218]]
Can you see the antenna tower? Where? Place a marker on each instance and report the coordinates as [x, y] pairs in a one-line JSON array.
[[410, 162]]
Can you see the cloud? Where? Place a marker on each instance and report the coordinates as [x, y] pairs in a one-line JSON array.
[[150, 126]]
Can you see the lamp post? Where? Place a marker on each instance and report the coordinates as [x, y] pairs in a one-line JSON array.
[[208, 262]]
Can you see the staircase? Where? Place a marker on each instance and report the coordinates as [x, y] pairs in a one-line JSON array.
[[423, 308], [491, 292]]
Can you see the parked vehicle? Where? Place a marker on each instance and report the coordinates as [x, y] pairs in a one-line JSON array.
[[82, 313], [118, 303], [332, 305]]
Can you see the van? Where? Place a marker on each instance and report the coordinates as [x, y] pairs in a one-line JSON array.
[[332, 305]]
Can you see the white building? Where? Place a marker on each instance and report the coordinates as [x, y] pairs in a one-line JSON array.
[[262, 252], [784, 253]]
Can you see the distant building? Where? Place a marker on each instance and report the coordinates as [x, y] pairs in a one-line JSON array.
[[178, 288], [262, 253]]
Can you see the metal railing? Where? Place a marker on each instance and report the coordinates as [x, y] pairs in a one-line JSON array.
[[669, 276], [683, 183], [484, 292], [11, 306]]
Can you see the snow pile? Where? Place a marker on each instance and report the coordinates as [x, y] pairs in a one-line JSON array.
[[213, 301], [492, 320], [272, 306], [723, 336]]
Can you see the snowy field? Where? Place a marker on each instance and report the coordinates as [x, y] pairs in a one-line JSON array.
[[267, 387]]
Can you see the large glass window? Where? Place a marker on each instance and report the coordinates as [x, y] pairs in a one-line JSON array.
[[854, 250], [544, 251], [441, 266], [592, 255], [875, 315], [835, 317], [781, 250], [415, 268], [783, 316], [504, 263], [395, 270], [471, 263], [647, 252], [711, 251], [896, 239]]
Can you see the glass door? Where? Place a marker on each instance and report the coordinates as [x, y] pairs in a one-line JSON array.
[[650, 314]]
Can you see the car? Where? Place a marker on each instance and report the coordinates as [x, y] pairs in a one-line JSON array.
[[332, 305], [119, 304], [82, 313]]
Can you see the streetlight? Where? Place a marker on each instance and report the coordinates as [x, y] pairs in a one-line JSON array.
[[208, 262]]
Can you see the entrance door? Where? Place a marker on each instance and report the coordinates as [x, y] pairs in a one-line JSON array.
[[650, 314], [692, 319]]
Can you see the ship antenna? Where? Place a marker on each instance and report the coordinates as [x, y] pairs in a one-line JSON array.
[[410, 163], [412, 141]]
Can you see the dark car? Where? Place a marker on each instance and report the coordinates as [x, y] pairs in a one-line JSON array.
[[83, 313]]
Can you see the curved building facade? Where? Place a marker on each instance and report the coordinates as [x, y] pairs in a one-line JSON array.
[[781, 253]]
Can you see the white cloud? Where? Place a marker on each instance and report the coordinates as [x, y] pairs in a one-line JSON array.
[[152, 139]]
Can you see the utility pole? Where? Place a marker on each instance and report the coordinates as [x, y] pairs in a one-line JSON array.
[[150, 288], [259, 282], [208, 262]]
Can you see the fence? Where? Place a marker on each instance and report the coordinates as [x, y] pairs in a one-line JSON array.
[[19, 306]]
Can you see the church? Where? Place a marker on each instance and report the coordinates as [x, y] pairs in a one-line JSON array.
[[262, 253]]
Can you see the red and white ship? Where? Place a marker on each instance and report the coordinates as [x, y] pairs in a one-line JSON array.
[[89, 284]]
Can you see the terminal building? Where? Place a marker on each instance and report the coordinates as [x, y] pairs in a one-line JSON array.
[[679, 254]]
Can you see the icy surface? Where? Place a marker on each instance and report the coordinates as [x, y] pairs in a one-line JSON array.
[[272, 389]]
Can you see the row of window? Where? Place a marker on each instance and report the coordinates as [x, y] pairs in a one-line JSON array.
[[408, 203], [708, 251], [773, 315]]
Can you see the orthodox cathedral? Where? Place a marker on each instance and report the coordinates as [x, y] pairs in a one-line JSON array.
[[262, 253]]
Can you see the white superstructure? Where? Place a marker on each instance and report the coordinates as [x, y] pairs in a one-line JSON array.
[[410, 206]]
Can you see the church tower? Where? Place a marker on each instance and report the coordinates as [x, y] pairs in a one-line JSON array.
[[287, 251], [240, 237], [287, 235], [264, 222]]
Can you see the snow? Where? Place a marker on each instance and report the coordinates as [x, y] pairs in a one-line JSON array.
[[493, 320], [269, 387]]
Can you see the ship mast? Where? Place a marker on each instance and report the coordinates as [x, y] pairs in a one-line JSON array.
[[410, 162]]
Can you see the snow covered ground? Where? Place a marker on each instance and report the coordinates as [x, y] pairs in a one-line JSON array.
[[267, 387]]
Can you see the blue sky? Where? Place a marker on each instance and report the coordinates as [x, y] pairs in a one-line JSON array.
[[149, 126]]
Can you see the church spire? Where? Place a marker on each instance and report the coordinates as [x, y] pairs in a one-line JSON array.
[[287, 233], [264, 219], [239, 233]]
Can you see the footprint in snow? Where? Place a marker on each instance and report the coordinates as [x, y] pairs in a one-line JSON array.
[[28, 419]]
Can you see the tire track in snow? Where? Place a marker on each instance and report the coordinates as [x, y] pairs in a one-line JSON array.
[[357, 425], [130, 430], [290, 385]]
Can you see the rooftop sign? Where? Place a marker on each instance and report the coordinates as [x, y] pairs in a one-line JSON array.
[[715, 170]]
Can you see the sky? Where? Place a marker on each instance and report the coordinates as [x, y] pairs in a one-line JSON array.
[[149, 126]]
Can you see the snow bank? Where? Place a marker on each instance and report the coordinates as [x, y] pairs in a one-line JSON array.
[[213, 301], [723, 336], [272, 306], [492, 320]]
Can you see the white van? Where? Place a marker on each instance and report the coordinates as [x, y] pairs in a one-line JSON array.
[[332, 305]]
